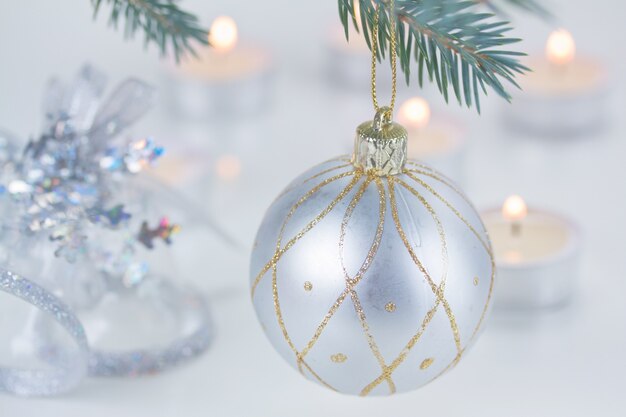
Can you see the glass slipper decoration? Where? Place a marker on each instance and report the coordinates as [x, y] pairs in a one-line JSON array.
[[65, 194]]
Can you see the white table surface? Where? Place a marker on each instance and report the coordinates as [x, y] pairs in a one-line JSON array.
[[565, 363]]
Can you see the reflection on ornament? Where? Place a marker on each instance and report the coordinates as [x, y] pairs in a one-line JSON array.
[[476, 281], [308, 286], [369, 229]]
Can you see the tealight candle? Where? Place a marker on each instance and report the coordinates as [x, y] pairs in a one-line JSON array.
[[564, 94], [536, 254], [226, 78], [437, 142]]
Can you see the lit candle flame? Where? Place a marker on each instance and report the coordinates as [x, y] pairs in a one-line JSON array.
[[223, 33], [560, 47], [415, 112], [514, 208], [228, 167]]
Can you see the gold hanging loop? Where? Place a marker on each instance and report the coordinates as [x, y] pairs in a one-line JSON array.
[[392, 52], [380, 144]]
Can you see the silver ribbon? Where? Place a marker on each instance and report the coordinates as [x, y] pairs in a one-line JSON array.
[[194, 316], [64, 369]]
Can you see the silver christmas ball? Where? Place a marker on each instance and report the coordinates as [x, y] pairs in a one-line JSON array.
[[371, 284]]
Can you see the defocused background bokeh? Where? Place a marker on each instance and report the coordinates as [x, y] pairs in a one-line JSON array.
[[566, 361]]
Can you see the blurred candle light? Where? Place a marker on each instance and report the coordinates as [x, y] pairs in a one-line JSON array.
[[415, 112], [223, 34], [565, 94], [560, 47], [228, 167], [438, 142], [536, 254], [227, 79], [514, 210]]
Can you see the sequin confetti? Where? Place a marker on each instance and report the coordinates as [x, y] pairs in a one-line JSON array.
[[164, 231], [66, 180]]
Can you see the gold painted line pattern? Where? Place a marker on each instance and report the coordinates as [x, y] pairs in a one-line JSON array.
[[451, 207], [283, 328], [279, 315], [349, 282], [423, 166], [435, 217], [444, 180], [370, 256], [279, 253], [486, 307], [403, 354], [316, 376], [452, 364], [325, 320], [447, 182], [314, 190], [340, 158], [354, 281], [319, 174], [438, 291], [276, 257], [337, 303], [485, 245]]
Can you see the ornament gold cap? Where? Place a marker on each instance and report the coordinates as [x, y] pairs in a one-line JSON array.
[[380, 145]]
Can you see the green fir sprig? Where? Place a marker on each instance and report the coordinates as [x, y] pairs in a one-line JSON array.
[[456, 43], [163, 23]]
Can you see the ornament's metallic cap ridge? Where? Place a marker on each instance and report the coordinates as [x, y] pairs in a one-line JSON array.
[[380, 145]]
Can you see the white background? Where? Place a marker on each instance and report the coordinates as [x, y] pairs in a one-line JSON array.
[[566, 363]]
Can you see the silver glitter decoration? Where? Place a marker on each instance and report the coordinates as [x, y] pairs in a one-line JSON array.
[[67, 187], [69, 367]]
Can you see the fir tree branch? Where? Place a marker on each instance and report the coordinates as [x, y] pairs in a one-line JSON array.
[[162, 22], [531, 6], [453, 41]]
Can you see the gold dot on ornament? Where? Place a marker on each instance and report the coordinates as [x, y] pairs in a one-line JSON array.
[[475, 280], [308, 286], [338, 358], [426, 363], [390, 307]]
